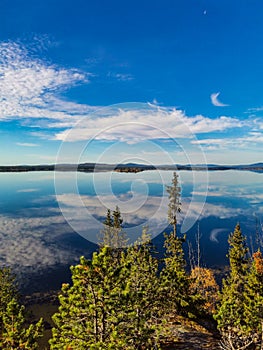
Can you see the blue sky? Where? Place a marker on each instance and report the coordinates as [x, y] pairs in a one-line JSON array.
[[185, 78]]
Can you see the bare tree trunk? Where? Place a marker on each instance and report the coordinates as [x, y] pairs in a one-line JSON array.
[[261, 345], [198, 238], [234, 341], [191, 255]]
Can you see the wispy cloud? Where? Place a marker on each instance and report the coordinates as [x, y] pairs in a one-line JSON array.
[[30, 87], [255, 109], [26, 144], [135, 124], [30, 91], [215, 101], [27, 190], [120, 76], [219, 142], [251, 139]]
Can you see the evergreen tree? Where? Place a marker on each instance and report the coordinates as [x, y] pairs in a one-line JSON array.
[[174, 279], [175, 282], [143, 298], [15, 335], [174, 206], [238, 259], [232, 303], [110, 304], [113, 234], [106, 235], [8, 290], [253, 311], [119, 236], [14, 331], [92, 311]]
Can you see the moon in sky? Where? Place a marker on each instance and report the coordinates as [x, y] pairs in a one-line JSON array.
[[215, 101]]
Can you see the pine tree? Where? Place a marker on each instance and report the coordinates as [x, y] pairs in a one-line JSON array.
[[113, 234], [253, 311], [238, 259], [119, 236], [15, 335], [143, 298], [110, 303], [8, 290], [174, 279], [174, 205], [105, 237], [231, 308], [231, 315], [14, 331], [92, 311]]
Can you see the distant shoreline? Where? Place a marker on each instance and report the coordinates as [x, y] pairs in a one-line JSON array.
[[128, 168]]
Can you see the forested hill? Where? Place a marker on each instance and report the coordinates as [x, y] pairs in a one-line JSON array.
[[129, 167]]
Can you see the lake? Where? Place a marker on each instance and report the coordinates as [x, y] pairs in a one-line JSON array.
[[47, 220]]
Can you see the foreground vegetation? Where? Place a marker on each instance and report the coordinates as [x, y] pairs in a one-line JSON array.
[[127, 298]]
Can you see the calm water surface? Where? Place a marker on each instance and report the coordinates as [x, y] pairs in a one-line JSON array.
[[46, 224]]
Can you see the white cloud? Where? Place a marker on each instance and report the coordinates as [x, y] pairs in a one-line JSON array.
[[28, 85], [255, 109], [216, 144], [26, 144], [256, 137], [30, 92], [215, 101], [28, 190], [120, 76], [136, 124], [252, 138]]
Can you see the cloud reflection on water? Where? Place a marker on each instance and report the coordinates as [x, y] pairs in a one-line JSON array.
[[32, 229]]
